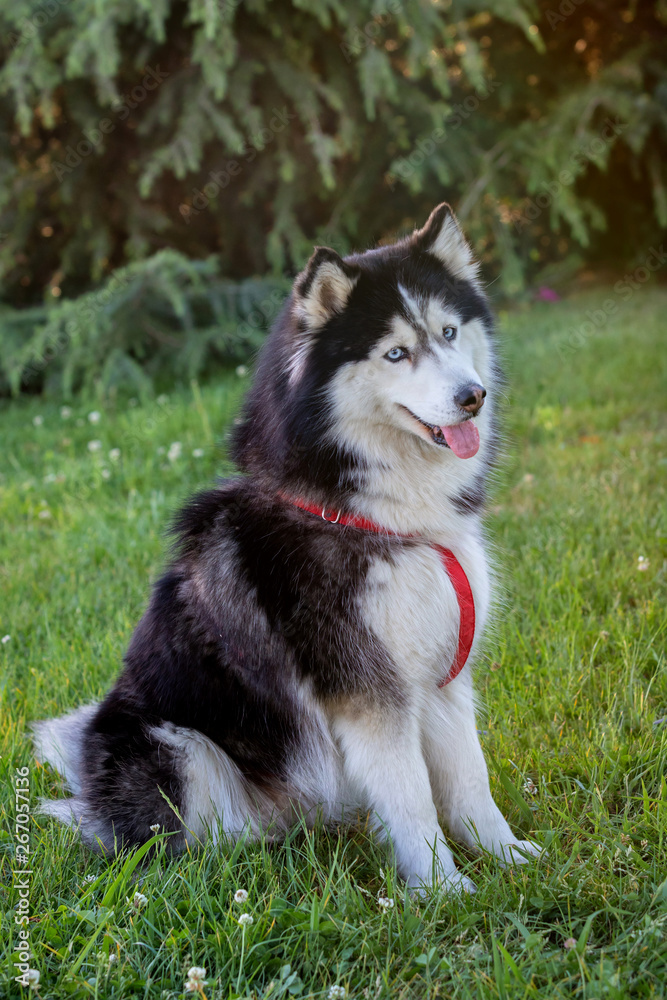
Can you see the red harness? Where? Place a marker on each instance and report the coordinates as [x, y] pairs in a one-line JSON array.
[[452, 567]]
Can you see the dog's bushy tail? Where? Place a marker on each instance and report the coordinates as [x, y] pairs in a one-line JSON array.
[[60, 743]]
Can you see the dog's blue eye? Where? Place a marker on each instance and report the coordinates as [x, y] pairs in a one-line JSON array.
[[396, 353], [449, 332]]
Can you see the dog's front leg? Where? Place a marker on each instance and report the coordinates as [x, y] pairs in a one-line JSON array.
[[460, 779], [385, 767]]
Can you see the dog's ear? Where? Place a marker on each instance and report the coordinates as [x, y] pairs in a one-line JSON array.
[[442, 236], [324, 287]]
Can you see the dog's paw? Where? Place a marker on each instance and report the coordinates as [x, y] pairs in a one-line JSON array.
[[458, 884], [520, 852], [453, 883]]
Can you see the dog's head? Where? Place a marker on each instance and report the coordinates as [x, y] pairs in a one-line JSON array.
[[381, 350]]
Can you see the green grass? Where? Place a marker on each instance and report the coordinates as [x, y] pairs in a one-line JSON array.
[[574, 684]]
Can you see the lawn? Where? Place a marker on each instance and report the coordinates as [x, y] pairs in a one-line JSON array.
[[574, 684]]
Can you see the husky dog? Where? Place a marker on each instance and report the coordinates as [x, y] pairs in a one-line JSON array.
[[294, 657]]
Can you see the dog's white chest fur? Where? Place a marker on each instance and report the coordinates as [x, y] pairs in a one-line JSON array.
[[411, 606]]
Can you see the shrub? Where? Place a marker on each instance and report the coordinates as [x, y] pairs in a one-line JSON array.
[[154, 321], [251, 129]]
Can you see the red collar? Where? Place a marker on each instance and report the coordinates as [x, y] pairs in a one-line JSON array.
[[452, 567]]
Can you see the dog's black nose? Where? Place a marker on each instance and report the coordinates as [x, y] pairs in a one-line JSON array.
[[470, 398]]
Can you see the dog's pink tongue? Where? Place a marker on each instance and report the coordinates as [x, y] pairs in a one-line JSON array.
[[463, 439]]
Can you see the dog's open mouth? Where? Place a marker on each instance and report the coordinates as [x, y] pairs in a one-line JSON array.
[[463, 438]]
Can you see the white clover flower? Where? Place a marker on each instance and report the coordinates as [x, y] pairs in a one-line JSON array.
[[139, 900], [530, 787], [385, 903], [569, 943], [162, 399], [38, 420], [197, 972], [5, 639], [175, 449], [89, 878], [94, 417], [65, 412], [112, 958], [106, 474], [198, 453], [337, 993], [94, 446], [154, 827], [114, 454], [196, 979], [240, 896], [245, 919], [642, 564], [44, 514], [33, 979], [50, 477], [241, 370]]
